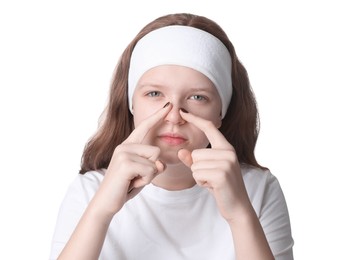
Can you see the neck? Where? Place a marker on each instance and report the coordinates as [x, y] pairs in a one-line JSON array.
[[175, 177]]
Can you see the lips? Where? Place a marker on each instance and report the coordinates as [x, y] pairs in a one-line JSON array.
[[172, 138]]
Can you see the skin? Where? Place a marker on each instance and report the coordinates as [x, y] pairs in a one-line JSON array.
[[168, 148], [183, 88]]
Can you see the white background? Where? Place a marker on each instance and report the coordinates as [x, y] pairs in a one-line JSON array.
[[56, 63]]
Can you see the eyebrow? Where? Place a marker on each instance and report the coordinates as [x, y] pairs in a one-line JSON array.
[[202, 89], [191, 89], [146, 85]]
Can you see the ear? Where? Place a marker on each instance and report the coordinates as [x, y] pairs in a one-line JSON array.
[[218, 121]]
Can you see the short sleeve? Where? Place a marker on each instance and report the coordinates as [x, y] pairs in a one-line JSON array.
[[274, 218], [77, 197]]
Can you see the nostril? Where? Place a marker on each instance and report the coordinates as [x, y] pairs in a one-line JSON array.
[[174, 115]]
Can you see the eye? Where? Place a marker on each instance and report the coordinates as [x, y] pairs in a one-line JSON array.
[[154, 94], [198, 98]]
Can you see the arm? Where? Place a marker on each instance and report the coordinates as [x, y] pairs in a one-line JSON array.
[[133, 165], [249, 238], [89, 235], [218, 170]]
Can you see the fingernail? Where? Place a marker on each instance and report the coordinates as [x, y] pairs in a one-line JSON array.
[[183, 110], [166, 105]]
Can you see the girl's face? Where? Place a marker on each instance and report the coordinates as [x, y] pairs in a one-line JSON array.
[[183, 88]]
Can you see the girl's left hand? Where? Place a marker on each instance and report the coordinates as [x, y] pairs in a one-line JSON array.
[[218, 170]]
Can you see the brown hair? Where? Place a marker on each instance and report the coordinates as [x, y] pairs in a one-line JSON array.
[[240, 126]]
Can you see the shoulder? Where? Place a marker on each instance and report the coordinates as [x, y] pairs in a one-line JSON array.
[[90, 178], [262, 186], [84, 186], [256, 178], [268, 200]]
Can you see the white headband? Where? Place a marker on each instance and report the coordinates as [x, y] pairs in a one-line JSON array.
[[185, 46]]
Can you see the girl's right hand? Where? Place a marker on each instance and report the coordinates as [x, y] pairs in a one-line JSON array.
[[133, 165]]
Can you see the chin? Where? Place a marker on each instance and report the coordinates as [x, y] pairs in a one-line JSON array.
[[170, 158]]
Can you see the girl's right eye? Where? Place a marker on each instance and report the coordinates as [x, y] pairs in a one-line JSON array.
[[153, 94]]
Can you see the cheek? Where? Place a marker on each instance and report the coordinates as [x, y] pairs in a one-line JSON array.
[[212, 115], [200, 140], [142, 112]]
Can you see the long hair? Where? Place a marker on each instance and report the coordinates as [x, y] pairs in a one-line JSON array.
[[240, 126]]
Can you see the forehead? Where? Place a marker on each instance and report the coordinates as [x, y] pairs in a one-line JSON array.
[[176, 75]]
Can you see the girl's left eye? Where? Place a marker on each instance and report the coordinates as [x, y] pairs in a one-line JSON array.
[[153, 93], [198, 97]]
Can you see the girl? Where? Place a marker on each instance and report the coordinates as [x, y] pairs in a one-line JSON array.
[[171, 172]]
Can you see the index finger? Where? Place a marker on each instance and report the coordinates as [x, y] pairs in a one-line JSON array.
[[214, 136], [138, 134]]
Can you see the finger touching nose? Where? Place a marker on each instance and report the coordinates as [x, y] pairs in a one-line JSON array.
[[174, 116]]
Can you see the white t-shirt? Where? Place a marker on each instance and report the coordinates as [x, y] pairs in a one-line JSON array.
[[159, 224]]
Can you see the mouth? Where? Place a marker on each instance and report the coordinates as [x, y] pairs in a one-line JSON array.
[[172, 139]]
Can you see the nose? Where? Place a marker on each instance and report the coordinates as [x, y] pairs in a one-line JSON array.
[[174, 116]]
